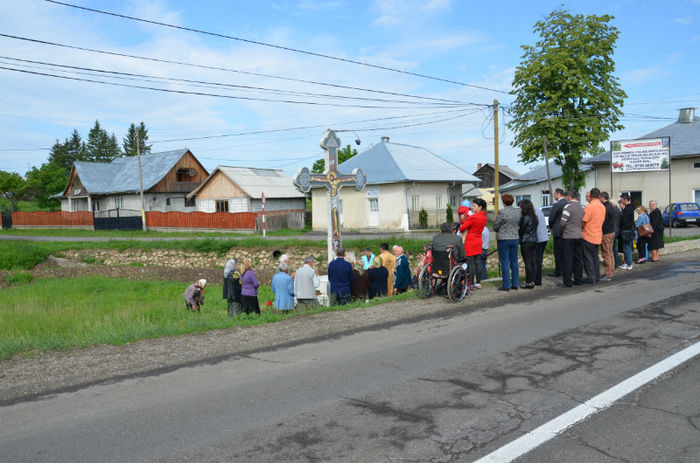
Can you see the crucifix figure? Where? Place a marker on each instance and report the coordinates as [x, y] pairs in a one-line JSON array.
[[334, 181]]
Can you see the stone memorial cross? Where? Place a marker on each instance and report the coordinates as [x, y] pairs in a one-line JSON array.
[[334, 181]]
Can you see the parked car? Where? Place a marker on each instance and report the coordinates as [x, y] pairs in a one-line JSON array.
[[682, 214]]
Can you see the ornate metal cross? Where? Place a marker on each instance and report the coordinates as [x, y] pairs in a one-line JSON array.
[[334, 181]]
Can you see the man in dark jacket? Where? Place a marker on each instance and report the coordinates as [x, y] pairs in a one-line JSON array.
[[402, 271], [554, 225], [340, 277], [627, 229], [446, 238], [606, 247], [572, 240]]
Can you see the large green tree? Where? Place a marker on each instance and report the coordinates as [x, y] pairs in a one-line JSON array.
[[134, 133], [12, 186], [565, 91], [45, 181], [102, 147], [66, 153], [343, 155]]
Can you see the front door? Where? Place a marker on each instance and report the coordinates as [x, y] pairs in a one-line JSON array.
[[373, 212]]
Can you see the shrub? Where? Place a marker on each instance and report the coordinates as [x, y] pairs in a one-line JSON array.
[[423, 218], [21, 255], [449, 215]]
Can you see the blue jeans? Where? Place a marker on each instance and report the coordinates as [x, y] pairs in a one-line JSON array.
[[627, 249], [508, 256]]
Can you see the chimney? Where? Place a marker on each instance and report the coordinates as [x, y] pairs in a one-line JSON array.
[[686, 115], [385, 139], [478, 166]]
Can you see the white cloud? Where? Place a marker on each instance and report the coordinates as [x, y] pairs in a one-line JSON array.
[[683, 20], [644, 75]]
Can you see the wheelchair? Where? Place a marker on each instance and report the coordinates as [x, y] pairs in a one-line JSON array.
[[444, 273]]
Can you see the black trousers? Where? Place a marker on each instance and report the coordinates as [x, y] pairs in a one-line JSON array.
[[558, 256], [529, 252], [591, 263], [540, 256], [572, 260], [473, 263]]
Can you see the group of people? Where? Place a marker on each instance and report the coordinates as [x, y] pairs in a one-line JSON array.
[[579, 233], [349, 279]]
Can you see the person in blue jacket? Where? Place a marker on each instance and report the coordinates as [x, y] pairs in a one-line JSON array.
[[402, 271], [283, 287]]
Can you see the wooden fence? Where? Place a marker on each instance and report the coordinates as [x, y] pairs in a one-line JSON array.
[[231, 220], [52, 219]]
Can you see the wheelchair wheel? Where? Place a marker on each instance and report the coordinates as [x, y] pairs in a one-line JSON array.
[[426, 283], [458, 285]]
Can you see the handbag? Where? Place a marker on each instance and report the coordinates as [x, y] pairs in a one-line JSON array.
[[645, 230], [627, 235]]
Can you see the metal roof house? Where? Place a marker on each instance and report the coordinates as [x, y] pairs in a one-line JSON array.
[[240, 189], [642, 186], [654, 185], [167, 177], [534, 186], [402, 180]]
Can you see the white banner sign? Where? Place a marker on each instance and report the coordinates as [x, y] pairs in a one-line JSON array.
[[640, 155]]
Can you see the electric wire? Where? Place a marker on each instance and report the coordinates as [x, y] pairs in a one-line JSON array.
[[238, 71], [279, 47]]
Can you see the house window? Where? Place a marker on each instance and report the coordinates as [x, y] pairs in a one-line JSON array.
[[96, 206], [438, 202], [221, 205], [186, 175], [415, 203], [545, 198], [635, 197], [453, 200], [118, 202], [374, 205], [519, 198], [696, 165], [189, 202], [167, 201]]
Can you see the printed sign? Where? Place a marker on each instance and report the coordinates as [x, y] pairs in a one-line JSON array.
[[640, 155], [372, 194]]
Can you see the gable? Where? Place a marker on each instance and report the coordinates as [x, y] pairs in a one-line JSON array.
[[220, 186], [186, 175]]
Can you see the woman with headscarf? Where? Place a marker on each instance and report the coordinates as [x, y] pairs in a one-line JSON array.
[[359, 289], [378, 275], [249, 288], [527, 235], [194, 295], [232, 288]]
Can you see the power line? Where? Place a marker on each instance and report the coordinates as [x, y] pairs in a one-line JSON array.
[[279, 47], [237, 71], [215, 95], [207, 84]]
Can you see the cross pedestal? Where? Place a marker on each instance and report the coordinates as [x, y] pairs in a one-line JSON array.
[[334, 181]]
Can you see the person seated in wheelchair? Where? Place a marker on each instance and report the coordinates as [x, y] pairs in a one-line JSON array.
[[441, 242]]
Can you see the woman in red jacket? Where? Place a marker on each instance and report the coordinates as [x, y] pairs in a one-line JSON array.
[[472, 227]]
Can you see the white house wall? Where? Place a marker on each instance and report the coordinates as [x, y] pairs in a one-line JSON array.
[[395, 203], [685, 180], [152, 202]]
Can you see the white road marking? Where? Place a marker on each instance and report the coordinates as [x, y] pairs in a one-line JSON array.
[[551, 429]]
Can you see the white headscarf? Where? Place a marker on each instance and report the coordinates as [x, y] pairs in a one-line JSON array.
[[229, 267]]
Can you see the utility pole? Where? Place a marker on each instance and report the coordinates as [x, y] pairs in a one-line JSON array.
[[143, 204], [496, 174], [549, 177]]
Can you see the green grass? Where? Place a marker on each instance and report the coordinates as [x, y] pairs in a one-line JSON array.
[[56, 314]]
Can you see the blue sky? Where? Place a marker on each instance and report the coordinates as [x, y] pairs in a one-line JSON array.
[[658, 62]]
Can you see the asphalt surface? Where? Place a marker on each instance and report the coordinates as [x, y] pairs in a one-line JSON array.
[[450, 388]]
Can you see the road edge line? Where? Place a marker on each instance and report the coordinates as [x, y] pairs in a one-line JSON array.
[[553, 428]]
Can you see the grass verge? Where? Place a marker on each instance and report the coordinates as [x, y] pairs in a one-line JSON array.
[[54, 314]]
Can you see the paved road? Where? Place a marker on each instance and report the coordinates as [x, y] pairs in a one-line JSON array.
[[451, 388]]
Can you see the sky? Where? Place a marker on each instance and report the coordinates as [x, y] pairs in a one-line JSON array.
[[233, 101]]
